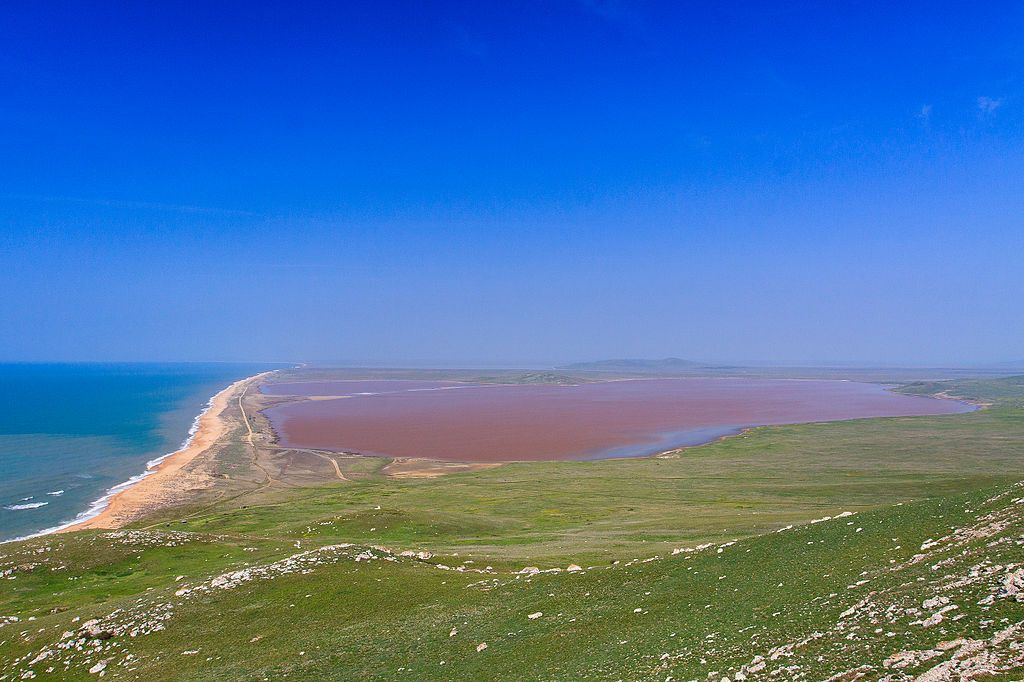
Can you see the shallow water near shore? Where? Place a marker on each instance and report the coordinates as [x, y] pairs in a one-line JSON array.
[[71, 432]]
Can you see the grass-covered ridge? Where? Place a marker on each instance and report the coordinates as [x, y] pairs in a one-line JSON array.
[[871, 591], [306, 578]]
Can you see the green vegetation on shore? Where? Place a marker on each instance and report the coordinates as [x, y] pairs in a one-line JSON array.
[[551, 378], [663, 366], [1006, 391], [260, 584]]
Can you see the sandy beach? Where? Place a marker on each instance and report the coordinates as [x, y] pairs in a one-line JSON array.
[[164, 477]]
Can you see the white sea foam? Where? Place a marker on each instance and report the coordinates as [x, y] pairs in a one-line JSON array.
[[55, 493], [97, 507], [30, 505]]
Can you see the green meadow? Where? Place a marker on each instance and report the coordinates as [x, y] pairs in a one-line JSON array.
[[792, 552]]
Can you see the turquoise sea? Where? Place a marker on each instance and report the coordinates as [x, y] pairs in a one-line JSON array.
[[71, 432]]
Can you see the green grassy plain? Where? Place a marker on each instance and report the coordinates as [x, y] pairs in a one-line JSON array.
[[635, 611]]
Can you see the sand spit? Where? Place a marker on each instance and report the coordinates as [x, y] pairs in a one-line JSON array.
[[164, 475]]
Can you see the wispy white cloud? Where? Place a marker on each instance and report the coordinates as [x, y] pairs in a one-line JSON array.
[[987, 105], [465, 41], [127, 204], [622, 14], [925, 114]]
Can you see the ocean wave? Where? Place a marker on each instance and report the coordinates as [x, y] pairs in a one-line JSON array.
[[29, 505], [97, 506], [55, 493]]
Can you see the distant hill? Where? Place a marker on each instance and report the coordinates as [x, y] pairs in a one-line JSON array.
[[668, 365]]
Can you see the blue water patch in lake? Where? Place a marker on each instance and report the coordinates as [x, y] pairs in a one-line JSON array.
[[667, 440]]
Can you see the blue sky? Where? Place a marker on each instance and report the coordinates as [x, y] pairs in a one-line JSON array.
[[512, 183]]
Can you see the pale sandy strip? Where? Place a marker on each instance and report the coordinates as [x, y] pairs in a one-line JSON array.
[[129, 502]]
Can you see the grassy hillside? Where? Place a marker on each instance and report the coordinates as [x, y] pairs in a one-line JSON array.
[[847, 593], [689, 568]]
